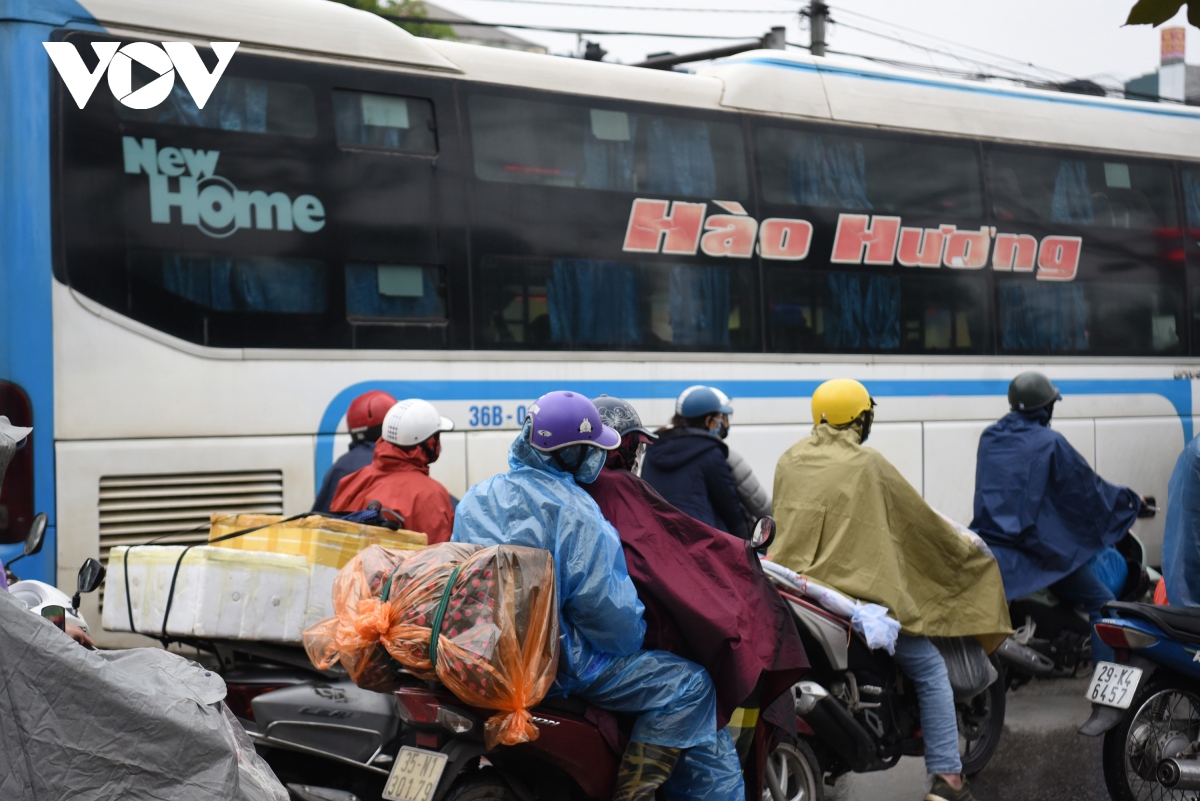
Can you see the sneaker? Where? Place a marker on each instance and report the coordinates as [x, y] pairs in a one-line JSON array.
[[942, 791]]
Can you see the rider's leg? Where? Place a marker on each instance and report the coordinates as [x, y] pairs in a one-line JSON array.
[[710, 772], [676, 708], [1084, 588], [923, 665]]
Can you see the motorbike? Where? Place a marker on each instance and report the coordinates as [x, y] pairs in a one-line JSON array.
[[1146, 704], [45, 599], [1062, 634]]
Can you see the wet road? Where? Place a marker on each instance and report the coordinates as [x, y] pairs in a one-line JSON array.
[[1040, 757]]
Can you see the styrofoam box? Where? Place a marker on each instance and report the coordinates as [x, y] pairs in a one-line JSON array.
[[219, 593]]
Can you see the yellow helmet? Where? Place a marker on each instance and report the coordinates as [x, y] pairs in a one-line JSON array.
[[840, 401]]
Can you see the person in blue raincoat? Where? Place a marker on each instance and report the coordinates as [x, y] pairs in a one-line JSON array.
[[1042, 509], [1181, 537], [675, 743]]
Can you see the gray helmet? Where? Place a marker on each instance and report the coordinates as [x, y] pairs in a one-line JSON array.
[[1031, 391], [621, 415], [10, 438]]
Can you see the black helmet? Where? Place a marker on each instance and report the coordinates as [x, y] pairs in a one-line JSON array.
[[621, 415], [1031, 391]]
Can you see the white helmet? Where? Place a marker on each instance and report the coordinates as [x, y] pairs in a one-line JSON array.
[[411, 422]]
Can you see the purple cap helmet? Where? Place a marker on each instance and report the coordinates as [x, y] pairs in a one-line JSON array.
[[568, 418]]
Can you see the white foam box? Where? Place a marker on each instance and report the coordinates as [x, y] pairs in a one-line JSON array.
[[220, 593]]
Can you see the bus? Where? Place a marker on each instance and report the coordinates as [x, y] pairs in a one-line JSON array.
[[193, 296]]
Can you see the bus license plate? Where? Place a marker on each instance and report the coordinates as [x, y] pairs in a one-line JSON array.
[[1114, 685], [414, 775]]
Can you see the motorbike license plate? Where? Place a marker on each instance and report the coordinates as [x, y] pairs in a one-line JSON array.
[[415, 775], [1114, 685]]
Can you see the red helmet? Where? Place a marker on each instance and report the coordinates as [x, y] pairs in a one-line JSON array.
[[368, 410]]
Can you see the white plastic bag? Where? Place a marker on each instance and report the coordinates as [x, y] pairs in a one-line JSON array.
[[869, 620]]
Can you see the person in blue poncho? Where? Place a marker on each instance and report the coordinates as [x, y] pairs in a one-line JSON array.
[[538, 503], [1181, 537], [1042, 509]]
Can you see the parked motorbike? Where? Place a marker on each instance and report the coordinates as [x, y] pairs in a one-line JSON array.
[[1147, 702]]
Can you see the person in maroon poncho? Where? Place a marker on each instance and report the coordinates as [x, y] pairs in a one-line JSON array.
[[706, 597]]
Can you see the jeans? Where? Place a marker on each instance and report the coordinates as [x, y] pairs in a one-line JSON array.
[[922, 663], [676, 706], [1084, 588]]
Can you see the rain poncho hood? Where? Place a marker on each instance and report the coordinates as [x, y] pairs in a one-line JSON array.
[[707, 598], [399, 479], [539, 505], [847, 519], [1040, 506], [1181, 539]]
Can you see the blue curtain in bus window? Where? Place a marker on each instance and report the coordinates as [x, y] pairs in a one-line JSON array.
[[364, 297], [679, 158], [247, 285], [699, 305], [608, 163], [1191, 198], [827, 172], [1072, 199], [864, 312], [1042, 317], [237, 104], [594, 302]]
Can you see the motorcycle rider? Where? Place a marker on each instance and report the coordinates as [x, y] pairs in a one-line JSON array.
[[1181, 537], [398, 476], [10, 439], [689, 463], [756, 502], [849, 520], [364, 418], [748, 642], [1042, 509], [539, 503]]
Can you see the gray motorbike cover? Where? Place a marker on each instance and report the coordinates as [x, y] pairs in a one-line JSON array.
[[141, 724]]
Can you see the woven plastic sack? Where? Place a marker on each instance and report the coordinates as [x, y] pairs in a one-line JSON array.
[[971, 672], [498, 634]]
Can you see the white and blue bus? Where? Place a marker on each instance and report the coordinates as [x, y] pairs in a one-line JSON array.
[[192, 296]]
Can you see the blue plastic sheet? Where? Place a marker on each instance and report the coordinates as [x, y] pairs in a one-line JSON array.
[[711, 773], [1110, 567], [1181, 537]]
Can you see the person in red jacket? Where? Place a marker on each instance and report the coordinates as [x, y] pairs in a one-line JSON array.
[[398, 475]]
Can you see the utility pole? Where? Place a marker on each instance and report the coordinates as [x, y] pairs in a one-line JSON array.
[[817, 13]]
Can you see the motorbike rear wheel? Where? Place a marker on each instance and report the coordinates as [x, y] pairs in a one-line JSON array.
[[482, 785], [1162, 720], [980, 722], [799, 772]]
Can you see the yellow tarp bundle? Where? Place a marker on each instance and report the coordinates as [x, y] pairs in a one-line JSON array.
[[847, 519], [322, 540]]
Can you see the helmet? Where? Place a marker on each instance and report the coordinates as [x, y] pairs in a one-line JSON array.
[[411, 422], [10, 438], [700, 401], [568, 418], [840, 402], [368, 409], [621, 416], [1030, 391]]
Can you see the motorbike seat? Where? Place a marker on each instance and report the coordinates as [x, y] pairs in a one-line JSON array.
[[569, 705], [1179, 622]]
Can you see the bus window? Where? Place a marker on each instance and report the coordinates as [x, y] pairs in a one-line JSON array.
[[1095, 318], [850, 312], [255, 284], [1078, 189], [844, 170], [574, 146], [386, 122], [565, 304], [395, 292], [247, 105]]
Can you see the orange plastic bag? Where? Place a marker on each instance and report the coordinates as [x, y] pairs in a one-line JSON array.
[[498, 641]]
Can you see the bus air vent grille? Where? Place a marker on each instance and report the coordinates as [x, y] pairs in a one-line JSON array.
[[176, 507]]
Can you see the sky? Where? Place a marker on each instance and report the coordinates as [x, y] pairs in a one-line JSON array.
[[1063, 39]]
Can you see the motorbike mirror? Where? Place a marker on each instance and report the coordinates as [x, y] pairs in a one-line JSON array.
[[36, 535], [764, 533], [90, 576]]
